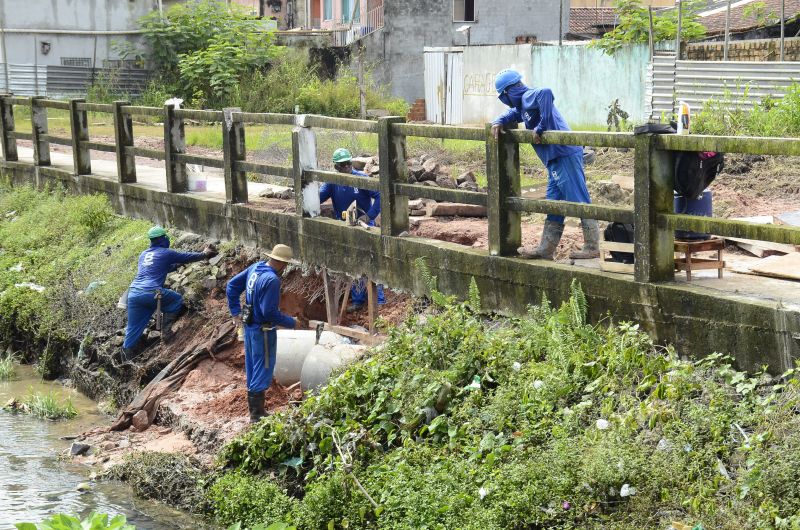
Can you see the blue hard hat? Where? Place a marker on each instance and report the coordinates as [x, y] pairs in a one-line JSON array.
[[506, 78]]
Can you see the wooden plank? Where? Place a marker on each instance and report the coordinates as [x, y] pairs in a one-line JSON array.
[[361, 336], [614, 266], [331, 301], [786, 267], [767, 246], [699, 246], [372, 305], [617, 247]]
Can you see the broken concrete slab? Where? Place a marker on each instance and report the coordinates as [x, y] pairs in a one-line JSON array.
[[469, 176], [785, 267], [451, 209], [789, 218], [623, 181], [360, 163]]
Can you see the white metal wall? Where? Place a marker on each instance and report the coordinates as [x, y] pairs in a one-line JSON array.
[[696, 82], [444, 85], [23, 79]]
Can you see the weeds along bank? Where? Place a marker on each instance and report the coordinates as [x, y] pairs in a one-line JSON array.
[[459, 421]]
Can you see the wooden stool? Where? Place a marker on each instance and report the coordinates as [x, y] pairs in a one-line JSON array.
[[689, 263]]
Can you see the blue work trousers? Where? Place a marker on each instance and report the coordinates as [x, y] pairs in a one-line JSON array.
[[566, 182], [141, 306], [358, 293], [258, 370]]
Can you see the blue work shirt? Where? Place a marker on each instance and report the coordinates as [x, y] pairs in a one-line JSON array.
[[535, 108], [367, 201], [158, 261], [262, 287]]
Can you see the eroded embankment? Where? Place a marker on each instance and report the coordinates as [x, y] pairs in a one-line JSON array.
[[65, 260]]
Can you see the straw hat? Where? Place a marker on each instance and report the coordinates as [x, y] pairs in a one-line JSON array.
[[282, 253]]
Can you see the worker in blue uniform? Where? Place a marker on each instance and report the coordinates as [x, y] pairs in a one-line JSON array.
[[154, 265], [566, 180], [368, 203], [261, 284]]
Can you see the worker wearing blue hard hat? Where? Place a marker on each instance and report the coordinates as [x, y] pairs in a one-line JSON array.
[[565, 177]]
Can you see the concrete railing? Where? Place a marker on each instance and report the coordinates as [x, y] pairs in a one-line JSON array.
[[652, 213]]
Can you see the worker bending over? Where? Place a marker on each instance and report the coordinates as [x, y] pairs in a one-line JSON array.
[[565, 178], [261, 284], [368, 203], [154, 265]]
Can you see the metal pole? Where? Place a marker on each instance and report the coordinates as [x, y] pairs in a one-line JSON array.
[[783, 25], [678, 34], [727, 32], [652, 44], [36, 64], [362, 92], [560, 20], [3, 44]]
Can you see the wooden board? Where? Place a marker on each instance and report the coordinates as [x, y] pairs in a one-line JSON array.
[[786, 267], [762, 248], [789, 218]]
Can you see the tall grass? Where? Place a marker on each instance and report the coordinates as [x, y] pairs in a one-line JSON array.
[[47, 406], [7, 367], [733, 115]]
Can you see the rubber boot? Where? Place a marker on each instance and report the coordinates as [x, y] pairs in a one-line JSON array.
[[255, 403], [166, 325], [591, 241], [551, 235], [129, 354]]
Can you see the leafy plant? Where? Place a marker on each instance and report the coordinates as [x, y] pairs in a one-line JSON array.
[[204, 46], [734, 115], [95, 521], [616, 116], [248, 501], [634, 25]]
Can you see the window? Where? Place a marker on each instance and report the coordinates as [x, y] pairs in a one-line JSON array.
[[327, 9], [463, 10], [85, 62]]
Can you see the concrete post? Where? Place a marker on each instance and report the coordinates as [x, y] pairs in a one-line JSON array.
[[233, 150], [393, 169], [123, 138], [41, 148], [304, 157], [502, 172], [174, 143], [79, 125], [654, 259], [6, 127]]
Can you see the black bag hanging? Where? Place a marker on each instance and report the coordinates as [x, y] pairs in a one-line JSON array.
[[620, 233], [694, 172]]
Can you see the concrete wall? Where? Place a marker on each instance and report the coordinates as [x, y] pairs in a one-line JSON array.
[[750, 50], [411, 25], [74, 15], [584, 80], [481, 64], [696, 320]]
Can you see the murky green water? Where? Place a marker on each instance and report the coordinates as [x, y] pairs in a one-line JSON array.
[[35, 483]]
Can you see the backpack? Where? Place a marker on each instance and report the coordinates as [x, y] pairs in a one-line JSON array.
[[695, 171], [620, 233]]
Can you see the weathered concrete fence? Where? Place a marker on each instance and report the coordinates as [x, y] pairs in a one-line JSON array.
[[698, 320]]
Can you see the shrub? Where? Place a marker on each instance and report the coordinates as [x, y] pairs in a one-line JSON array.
[[250, 500], [7, 370], [732, 115]]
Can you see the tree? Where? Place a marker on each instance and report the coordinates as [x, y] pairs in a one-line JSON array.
[[202, 47], [634, 25]]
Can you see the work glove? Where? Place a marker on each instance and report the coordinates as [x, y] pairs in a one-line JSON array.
[[210, 251]]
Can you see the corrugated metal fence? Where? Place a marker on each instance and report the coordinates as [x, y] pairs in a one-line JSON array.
[[59, 81], [745, 83]]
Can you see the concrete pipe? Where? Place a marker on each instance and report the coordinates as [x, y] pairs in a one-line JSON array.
[[322, 360], [293, 347]]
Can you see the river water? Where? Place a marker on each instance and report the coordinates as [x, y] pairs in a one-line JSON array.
[[36, 483]]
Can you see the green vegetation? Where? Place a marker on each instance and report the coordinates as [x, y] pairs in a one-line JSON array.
[[173, 478], [95, 521], [64, 261], [7, 370], [47, 406], [634, 25], [541, 422], [732, 115], [214, 55]]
